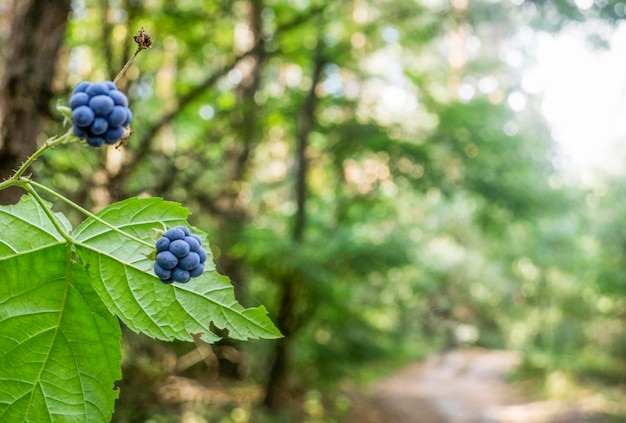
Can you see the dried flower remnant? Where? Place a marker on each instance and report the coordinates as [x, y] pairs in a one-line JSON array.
[[124, 140], [144, 41]]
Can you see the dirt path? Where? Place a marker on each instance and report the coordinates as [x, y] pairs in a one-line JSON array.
[[466, 386]]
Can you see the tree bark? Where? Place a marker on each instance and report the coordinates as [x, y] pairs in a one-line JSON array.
[[37, 32], [289, 318], [286, 321], [244, 120]]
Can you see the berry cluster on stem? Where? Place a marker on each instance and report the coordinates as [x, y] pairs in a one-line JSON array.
[[100, 112], [180, 256]]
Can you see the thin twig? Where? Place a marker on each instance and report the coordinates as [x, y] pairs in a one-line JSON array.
[[144, 41], [121, 72]]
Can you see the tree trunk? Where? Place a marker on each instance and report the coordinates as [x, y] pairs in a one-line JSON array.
[[234, 217], [37, 32], [286, 321], [289, 319]]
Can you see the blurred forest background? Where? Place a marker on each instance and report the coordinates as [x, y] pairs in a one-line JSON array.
[[372, 171]]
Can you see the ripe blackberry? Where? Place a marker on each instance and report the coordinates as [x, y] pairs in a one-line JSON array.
[[180, 256], [100, 112]]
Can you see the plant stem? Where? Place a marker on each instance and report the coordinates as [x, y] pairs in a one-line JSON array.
[[121, 72], [87, 212], [50, 143], [48, 212], [8, 183], [16, 178]]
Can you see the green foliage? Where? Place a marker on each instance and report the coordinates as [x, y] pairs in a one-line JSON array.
[[422, 217], [120, 270], [62, 289], [506, 171], [60, 346]]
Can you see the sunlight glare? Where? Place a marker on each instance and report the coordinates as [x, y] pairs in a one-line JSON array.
[[584, 95]]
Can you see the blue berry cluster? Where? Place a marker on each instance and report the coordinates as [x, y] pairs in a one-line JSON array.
[[100, 112], [180, 256]]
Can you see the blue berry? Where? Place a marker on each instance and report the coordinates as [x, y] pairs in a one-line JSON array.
[[189, 262], [111, 85], [97, 88], [81, 87], [184, 229], [197, 271], [79, 99], [95, 141], [113, 134], [79, 132], [180, 275], [117, 116], [162, 244], [129, 117], [99, 126], [119, 98], [162, 273], [194, 245], [83, 116], [179, 248], [101, 104], [166, 260], [202, 254], [174, 234]]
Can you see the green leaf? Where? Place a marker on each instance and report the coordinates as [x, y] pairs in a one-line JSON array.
[[121, 270], [25, 227], [60, 348]]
